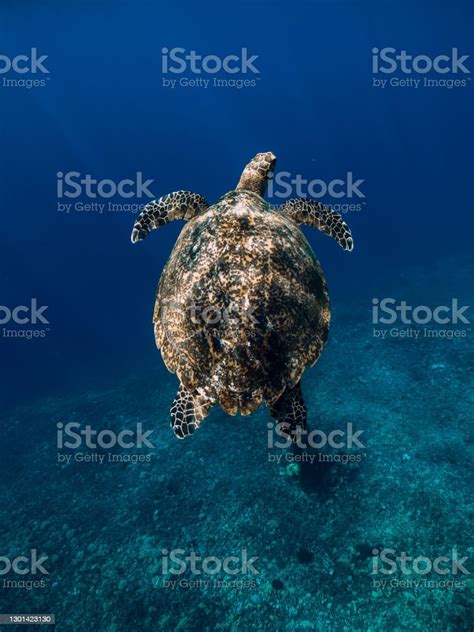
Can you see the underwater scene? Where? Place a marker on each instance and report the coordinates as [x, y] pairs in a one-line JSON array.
[[235, 316]]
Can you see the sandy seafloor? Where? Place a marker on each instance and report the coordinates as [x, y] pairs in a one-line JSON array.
[[103, 525]]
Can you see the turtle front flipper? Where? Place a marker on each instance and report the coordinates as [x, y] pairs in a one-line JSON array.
[[319, 216], [187, 412], [290, 412], [177, 205]]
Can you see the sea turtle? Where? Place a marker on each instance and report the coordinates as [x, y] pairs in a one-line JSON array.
[[242, 304]]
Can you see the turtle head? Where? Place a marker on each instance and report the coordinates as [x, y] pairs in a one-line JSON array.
[[255, 175]]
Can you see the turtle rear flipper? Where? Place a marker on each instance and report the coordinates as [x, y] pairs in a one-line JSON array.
[[187, 412], [319, 216], [177, 205], [290, 412]]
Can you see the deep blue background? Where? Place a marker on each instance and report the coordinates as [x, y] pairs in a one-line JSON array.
[[104, 112]]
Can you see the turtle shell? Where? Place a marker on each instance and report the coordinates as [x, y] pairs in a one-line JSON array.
[[242, 305]]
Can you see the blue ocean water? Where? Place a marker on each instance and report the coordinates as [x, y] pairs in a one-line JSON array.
[[395, 158]]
